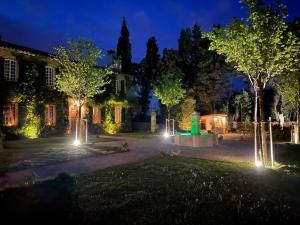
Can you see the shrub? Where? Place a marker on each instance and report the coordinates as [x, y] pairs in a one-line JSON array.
[[186, 110], [109, 126], [32, 126]]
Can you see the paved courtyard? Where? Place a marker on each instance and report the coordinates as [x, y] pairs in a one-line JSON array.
[[231, 148]]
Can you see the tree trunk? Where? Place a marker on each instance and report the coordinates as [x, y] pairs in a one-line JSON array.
[[168, 109], [263, 143]]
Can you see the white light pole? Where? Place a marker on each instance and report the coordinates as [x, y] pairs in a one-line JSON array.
[[271, 142]]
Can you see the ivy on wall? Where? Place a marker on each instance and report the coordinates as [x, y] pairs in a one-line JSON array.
[[32, 94], [109, 126]]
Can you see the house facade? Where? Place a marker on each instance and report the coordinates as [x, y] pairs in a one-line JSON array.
[[32, 107]]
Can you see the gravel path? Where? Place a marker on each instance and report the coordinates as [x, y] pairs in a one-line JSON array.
[[231, 148]]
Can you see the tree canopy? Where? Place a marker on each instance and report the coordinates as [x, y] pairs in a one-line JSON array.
[[79, 75], [169, 91], [124, 49]]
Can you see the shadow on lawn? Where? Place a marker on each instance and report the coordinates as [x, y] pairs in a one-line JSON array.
[[49, 202], [290, 159]]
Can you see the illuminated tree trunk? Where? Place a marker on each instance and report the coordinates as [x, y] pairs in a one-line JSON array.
[[263, 142]]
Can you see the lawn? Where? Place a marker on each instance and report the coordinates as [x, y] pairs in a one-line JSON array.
[[20, 154], [162, 190]]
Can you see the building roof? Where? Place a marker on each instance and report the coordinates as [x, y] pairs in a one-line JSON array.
[[10, 45]]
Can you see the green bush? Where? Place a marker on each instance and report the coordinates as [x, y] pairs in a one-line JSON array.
[[32, 126]]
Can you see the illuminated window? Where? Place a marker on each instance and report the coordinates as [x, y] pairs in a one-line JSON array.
[[10, 114], [10, 70], [50, 115], [118, 114], [96, 115], [50, 73]]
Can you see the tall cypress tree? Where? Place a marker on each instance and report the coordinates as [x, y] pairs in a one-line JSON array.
[[146, 74], [152, 58], [124, 48]]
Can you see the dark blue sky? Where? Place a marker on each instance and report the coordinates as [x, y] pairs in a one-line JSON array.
[[41, 24]]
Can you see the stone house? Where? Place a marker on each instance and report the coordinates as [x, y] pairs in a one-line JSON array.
[[31, 106]]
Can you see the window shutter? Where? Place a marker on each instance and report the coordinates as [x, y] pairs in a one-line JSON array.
[[54, 115], [46, 114]]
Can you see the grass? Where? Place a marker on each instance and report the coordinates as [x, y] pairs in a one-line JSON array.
[[26, 153], [161, 190], [290, 159]]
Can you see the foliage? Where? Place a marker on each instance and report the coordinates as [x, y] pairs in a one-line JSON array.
[[289, 83], [151, 61], [109, 126], [243, 104], [146, 74], [124, 49], [32, 126], [260, 47], [186, 110], [202, 70], [169, 91], [170, 63], [79, 75]]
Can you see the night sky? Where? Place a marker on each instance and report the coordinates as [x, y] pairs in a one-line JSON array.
[[41, 24]]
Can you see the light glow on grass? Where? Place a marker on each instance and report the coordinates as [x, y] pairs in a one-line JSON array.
[[166, 135], [258, 163], [76, 142]]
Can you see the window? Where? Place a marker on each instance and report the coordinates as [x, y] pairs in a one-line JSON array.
[[50, 72], [118, 114], [10, 70], [10, 114], [50, 115], [96, 115], [120, 87]]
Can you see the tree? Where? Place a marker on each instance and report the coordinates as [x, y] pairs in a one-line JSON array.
[[124, 49], [144, 86], [261, 48], [151, 60], [146, 74], [186, 110], [289, 89], [79, 75], [169, 91], [170, 63], [243, 104], [202, 69]]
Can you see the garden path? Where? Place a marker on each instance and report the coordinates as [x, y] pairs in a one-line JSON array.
[[231, 148]]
